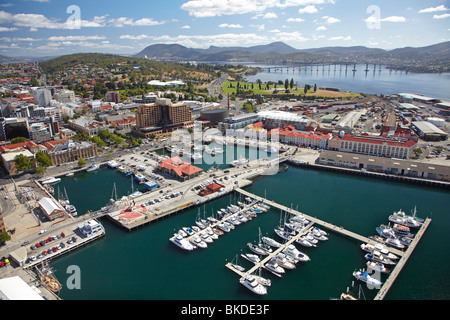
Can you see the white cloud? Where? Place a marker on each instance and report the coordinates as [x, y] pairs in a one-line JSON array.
[[226, 25], [373, 19], [295, 20], [343, 38], [186, 27], [3, 29], [308, 9], [270, 15], [205, 41], [435, 9], [130, 37], [290, 36], [213, 8], [76, 38], [321, 28], [441, 16], [331, 20]]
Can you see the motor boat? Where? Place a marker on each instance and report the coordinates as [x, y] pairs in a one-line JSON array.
[[402, 231], [257, 249], [378, 257], [318, 235], [308, 237], [284, 262], [394, 242], [379, 247], [365, 277], [377, 266], [303, 242], [284, 234], [250, 283], [252, 257], [92, 167], [196, 241], [51, 181], [181, 242], [292, 251], [224, 227], [112, 164], [271, 242], [205, 237], [273, 266]]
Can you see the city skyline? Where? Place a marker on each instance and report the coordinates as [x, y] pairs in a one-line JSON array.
[[51, 28]]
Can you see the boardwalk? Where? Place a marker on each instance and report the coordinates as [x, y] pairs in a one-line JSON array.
[[404, 256]]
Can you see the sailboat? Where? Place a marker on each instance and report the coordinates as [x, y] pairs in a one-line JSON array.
[[48, 279]]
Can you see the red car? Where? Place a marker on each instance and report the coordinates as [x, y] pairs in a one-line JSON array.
[[54, 249], [62, 234]]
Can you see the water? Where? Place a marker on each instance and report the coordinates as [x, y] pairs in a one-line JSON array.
[[143, 264], [384, 82]]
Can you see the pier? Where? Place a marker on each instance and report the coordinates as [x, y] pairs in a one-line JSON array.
[[404, 255]]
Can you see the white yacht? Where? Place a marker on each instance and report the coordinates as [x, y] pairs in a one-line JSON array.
[[292, 251], [72, 210], [139, 178], [286, 235], [205, 237], [311, 240], [377, 266], [196, 241], [51, 181], [257, 249], [284, 262], [113, 164], [181, 242], [273, 266], [365, 277], [92, 167], [196, 156], [250, 283], [251, 257], [236, 163], [224, 227], [271, 242], [379, 247], [305, 243], [318, 235]]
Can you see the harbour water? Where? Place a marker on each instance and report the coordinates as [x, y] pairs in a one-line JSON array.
[[143, 264], [371, 82]]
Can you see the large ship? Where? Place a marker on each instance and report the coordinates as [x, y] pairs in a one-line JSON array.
[[47, 278]]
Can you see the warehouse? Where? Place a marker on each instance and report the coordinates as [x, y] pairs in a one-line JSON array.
[[428, 131]]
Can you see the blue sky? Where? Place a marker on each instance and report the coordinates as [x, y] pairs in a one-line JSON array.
[[56, 27]]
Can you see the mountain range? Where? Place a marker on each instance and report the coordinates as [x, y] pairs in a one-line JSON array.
[[279, 52]]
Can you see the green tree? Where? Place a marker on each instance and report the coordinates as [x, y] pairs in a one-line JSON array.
[[19, 140], [81, 162], [43, 159], [22, 162], [286, 84], [4, 236], [40, 170], [315, 87], [291, 84]]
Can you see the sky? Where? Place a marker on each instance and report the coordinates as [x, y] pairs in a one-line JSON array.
[[36, 28]]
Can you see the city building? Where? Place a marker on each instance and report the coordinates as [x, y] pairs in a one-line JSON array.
[[390, 166], [64, 151], [162, 117], [428, 131], [179, 169], [50, 208], [42, 97], [281, 119], [88, 126], [306, 139], [39, 132], [382, 146], [238, 122], [64, 96], [8, 160], [214, 116], [348, 123], [112, 96]]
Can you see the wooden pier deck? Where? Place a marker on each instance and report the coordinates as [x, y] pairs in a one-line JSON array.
[[404, 255]]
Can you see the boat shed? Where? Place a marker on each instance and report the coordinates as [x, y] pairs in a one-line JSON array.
[[14, 288], [51, 209]]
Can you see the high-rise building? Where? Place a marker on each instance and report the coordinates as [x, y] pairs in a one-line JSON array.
[[112, 96], [42, 97], [161, 117]]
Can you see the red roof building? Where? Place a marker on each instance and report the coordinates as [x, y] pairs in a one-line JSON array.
[[179, 169]]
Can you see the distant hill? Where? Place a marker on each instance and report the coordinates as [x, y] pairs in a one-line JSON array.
[[437, 55]]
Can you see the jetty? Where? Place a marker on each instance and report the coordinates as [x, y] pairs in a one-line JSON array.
[[404, 255]]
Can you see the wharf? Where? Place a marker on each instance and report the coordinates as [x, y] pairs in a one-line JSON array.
[[324, 224], [267, 258], [404, 255]]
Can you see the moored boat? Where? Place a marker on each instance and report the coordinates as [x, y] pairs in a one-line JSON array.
[[365, 277], [377, 266], [250, 283]]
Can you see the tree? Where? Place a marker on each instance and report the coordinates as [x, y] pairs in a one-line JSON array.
[[22, 162], [315, 87], [4, 236], [286, 84], [40, 170], [81, 162], [43, 160], [418, 152], [18, 140], [291, 84]]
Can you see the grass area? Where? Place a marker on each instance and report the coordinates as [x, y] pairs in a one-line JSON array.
[[246, 87]]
